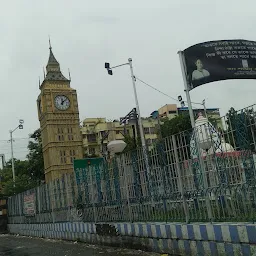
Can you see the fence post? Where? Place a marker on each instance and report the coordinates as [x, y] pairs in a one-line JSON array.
[[67, 197], [126, 187], [20, 207], [205, 183], [39, 204], [93, 196], [51, 197], [185, 205]]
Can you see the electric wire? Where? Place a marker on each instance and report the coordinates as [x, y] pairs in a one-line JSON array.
[[154, 88]]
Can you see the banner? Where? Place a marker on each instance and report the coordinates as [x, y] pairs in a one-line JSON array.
[[29, 205], [220, 60]]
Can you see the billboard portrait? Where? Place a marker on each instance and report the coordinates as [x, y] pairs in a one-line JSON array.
[[220, 60]]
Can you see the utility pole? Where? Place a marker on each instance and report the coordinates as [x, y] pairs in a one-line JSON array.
[[110, 72], [143, 142], [142, 136], [20, 126], [13, 170]]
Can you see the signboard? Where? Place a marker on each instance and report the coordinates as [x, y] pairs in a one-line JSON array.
[[81, 167], [29, 205], [220, 60]]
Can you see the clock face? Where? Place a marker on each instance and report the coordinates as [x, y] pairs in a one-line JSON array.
[[62, 102]]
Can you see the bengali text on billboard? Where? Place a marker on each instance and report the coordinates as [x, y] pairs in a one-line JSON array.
[[220, 60]]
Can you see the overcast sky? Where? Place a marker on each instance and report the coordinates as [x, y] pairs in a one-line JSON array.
[[85, 34]]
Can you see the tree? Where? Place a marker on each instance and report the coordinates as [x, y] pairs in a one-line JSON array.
[[35, 156], [29, 173], [132, 144], [175, 125], [241, 130], [23, 181]]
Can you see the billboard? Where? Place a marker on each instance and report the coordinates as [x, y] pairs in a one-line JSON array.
[[220, 60], [29, 205]]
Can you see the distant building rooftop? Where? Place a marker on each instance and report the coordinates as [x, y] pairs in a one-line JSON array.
[[186, 108]]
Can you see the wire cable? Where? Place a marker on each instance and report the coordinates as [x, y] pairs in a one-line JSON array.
[[152, 87]]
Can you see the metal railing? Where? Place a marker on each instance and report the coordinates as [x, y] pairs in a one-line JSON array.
[[205, 174]]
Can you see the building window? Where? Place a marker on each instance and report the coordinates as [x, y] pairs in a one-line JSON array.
[[63, 159], [72, 154], [70, 137], [61, 134], [146, 130], [70, 130], [152, 130], [70, 133], [92, 151], [61, 137], [91, 137], [117, 132], [103, 134], [60, 130], [172, 112]]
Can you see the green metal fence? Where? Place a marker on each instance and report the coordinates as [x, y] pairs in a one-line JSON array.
[[205, 174]]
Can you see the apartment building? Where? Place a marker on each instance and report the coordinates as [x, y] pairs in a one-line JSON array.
[[98, 132]]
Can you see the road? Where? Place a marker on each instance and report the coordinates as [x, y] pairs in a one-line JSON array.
[[26, 246]]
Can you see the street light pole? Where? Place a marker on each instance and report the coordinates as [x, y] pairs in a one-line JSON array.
[[142, 136], [190, 109], [109, 69], [13, 170], [143, 142], [20, 126]]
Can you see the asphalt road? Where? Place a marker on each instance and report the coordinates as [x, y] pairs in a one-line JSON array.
[[26, 246]]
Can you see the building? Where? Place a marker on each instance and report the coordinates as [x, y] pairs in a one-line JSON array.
[[171, 110], [168, 110], [97, 133], [59, 122]]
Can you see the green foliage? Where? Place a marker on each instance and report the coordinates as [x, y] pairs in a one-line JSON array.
[[29, 173], [132, 143], [35, 156], [23, 180], [175, 125], [241, 129]]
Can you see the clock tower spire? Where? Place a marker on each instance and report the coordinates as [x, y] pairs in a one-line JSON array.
[[53, 68], [59, 121]]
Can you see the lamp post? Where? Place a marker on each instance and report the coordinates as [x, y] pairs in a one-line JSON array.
[[142, 137], [110, 72], [20, 126]]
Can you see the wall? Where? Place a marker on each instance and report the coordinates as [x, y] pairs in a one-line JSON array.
[[174, 238]]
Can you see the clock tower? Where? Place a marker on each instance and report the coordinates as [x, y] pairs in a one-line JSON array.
[[59, 122]]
